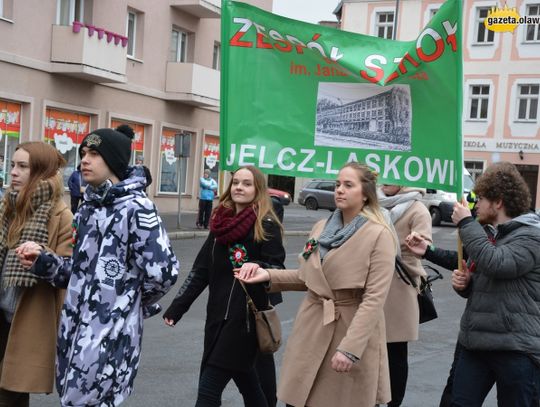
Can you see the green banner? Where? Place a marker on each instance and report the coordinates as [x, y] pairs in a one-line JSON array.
[[301, 100]]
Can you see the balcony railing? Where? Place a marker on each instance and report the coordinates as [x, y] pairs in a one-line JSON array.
[[198, 8], [193, 84], [89, 52]]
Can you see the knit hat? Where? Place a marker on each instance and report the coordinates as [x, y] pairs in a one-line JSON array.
[[114, 146]]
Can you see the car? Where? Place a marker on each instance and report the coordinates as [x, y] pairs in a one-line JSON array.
[[318, 194], [441, 204], [283, 196]]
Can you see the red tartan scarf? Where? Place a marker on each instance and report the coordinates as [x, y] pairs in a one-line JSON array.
[[230, 228]]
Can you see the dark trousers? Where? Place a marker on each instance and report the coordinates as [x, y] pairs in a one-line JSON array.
[[399, 371], [446, 398], [75, 200], [9, 398], [205, 210], [516, 376], [213, 381], [266, 370]]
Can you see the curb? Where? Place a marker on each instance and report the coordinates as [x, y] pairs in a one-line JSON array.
[[191, 234]]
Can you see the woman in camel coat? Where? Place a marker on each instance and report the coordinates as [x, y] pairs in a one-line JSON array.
[[401, 311], [29, 311], [336, 354]]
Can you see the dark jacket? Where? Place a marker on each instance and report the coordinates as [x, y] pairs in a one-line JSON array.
[[75, 182], [503, 305], [229, 336]]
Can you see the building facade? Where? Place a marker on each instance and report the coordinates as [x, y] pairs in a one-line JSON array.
[[501, 116], [68, 67]]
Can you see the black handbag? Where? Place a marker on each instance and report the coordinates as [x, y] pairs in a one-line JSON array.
[[426, 305]]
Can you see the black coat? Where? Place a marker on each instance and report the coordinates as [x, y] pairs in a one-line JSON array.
[[229, 336]]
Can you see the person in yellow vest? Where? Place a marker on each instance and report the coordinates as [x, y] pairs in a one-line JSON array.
[[472, 199]]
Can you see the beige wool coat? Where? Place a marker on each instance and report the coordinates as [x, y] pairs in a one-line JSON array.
[[401, 308], [343, 309], [29, 361]]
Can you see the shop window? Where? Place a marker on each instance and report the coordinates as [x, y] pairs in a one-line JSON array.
[[211, 156], [168, 176], [137, 145], [10, 131], [65, 131]]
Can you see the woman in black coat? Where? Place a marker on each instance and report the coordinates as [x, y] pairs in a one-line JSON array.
[[244, 233]]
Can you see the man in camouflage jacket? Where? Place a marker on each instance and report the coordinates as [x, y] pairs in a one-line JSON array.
[[122, 265]]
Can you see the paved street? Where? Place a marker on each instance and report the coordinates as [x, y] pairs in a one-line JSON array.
[[171, 356]]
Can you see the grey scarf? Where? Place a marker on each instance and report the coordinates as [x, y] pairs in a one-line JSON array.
[[398, 204], [335, 234]]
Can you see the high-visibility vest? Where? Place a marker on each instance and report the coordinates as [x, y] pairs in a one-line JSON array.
[[471, 199]]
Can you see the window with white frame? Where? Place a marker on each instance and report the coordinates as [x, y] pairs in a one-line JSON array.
[[216, 57], [532, 31], [432, 12], [482, 34], [179, 43], [69, 11], [475, 168], [527, 102], [384, 26], [478, 102], [131, 32]]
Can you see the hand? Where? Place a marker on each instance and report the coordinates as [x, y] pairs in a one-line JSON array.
[[28, 253], [416, 244], [260, 276], [461, 211], [168, 321], [461, 279], [247, 270], [341, 363]]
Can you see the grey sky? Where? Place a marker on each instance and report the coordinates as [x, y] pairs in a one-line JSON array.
[[311, 11]]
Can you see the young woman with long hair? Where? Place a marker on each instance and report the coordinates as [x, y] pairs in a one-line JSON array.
[[32, 209], [244, 233], [336, 353]]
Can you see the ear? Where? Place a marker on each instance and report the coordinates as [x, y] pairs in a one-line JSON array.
[[499, 204]]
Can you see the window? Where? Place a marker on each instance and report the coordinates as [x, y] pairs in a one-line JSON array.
[[216, 58], [479, 101], [483, 35], [66, 130], [528, 102], [432, 12], [69, 11], [475, 168], [10, 131], [532, 31], [384, 27], [178, 51], [168, 176], [137, 145], [131, 33]]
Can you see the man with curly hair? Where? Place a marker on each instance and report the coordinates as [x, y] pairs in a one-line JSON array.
[[500, 327]]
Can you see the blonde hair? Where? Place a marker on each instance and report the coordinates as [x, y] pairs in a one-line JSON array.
[[371, 209], [44, 161], [261, 202]]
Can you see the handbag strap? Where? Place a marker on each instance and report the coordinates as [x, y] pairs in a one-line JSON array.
[[404, 274], [248, 298]]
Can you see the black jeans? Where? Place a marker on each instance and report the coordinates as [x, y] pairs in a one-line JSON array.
[[516, 376], [205, 210], [266, 370], [399, 371], [213, 381]]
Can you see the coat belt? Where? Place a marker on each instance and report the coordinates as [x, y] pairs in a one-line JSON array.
[[331, 306]]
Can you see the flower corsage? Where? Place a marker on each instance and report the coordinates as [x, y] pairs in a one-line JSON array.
[[238, 255], [309, 248]]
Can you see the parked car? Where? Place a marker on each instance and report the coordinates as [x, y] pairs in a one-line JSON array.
[[318, 194], [441, 204], [283, 196]]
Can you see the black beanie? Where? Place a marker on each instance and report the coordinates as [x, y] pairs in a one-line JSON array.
[[113, 145]]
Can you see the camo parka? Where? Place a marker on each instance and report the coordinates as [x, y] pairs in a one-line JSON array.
[[122, 264]]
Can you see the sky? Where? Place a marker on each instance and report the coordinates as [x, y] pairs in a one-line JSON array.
[[311, 11]]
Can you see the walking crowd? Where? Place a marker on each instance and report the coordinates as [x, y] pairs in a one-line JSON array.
[[84, 283]]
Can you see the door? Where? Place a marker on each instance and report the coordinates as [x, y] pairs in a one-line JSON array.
[[530, 175]]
